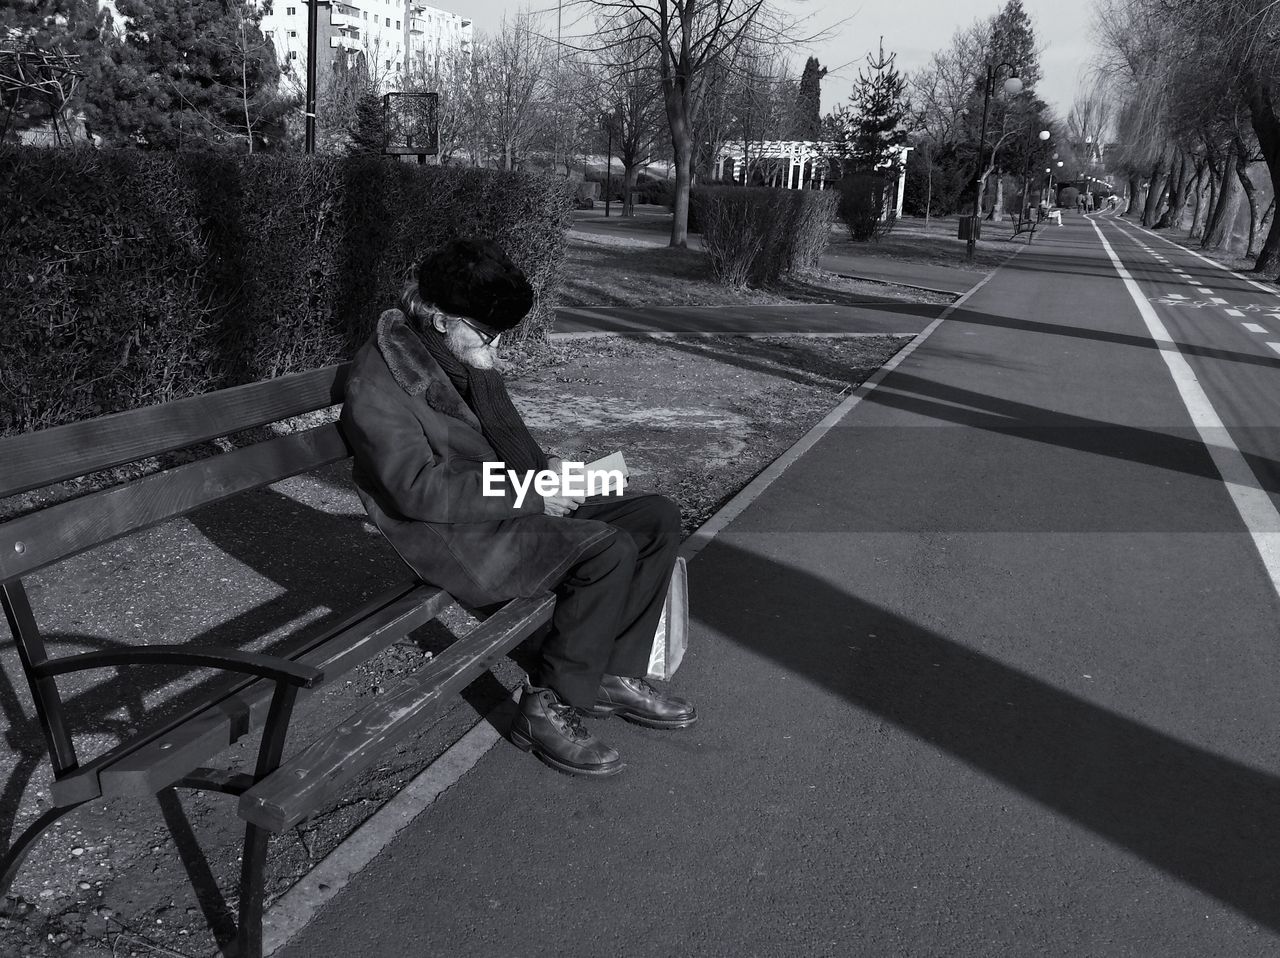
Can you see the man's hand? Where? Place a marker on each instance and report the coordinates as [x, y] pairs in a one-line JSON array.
[[561, 505]]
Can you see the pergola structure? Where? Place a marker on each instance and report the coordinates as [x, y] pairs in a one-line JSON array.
[[28, 73], [789, 164]]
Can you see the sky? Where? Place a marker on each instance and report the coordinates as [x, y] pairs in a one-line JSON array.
[[912, 29]]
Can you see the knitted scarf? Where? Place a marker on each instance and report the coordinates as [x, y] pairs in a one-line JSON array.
[[484, 391]]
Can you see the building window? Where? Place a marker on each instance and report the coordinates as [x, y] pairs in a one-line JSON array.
[[388, 64], [293, 33], [290, 11], [397, 24], [293, 54], [388, 19]]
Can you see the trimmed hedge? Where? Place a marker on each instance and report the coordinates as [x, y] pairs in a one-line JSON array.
[[757, 235], [132, 278]]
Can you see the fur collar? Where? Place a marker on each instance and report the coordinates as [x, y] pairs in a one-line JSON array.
[[415, 369]]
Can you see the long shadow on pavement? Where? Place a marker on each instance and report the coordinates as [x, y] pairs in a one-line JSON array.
[[1206, 820]]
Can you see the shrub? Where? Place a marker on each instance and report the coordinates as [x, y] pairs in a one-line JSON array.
[[133, 278], [757, 235], [657, 192], [862, 206]]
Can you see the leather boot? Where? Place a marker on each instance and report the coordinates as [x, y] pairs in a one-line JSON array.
[[637, 701], [554, 732]]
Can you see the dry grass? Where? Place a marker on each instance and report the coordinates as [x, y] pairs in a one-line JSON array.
[[939, 245], [621, 270]]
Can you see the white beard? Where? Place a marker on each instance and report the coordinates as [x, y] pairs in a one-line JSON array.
[[478, 357]]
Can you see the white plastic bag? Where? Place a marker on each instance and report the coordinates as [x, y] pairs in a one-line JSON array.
[[672, 636]]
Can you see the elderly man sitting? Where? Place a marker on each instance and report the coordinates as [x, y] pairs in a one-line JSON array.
[[425, 410]]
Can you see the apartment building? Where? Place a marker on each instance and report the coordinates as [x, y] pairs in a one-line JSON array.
[[393, 35], [433, 33]]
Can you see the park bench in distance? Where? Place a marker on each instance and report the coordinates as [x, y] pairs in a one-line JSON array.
[[273, 796]]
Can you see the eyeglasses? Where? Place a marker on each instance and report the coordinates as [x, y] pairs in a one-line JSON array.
[[484, 334]]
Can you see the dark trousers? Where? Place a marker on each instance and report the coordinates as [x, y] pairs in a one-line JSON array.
[[608, 606]]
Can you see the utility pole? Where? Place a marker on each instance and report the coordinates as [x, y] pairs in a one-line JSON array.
[[313, 26]]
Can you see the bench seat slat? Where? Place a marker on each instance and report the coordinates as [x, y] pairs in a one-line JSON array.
[[42, 458], [150, 762], [33, 541], [320, 771]]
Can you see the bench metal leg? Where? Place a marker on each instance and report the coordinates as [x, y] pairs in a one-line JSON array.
[[18, 851], [254, 859], [252, 890]]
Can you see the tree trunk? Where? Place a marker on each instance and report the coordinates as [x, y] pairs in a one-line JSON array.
[[1155, 191], [1266, 126], [675, 89], [997, 208], [1196, 194], [628, 185], [1203, 202], [1177, 193], [1217, 232], [1246, 184], [1135, 188], [1268, 260], [1256, 231]]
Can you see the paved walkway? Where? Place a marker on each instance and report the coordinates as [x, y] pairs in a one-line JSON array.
[[990, 670]]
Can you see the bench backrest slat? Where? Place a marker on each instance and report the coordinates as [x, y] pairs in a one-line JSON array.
[[42, 458], [33, 541]]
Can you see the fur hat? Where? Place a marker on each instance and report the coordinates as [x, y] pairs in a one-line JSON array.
[[476, 279]]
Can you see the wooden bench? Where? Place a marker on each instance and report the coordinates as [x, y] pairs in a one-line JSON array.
[[274, 795]]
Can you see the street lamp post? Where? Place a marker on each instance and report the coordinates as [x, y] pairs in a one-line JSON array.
[[1012, 86], [313, 25], [1043, 136], [608, 166]]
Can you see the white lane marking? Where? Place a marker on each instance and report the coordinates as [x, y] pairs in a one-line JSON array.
[[1175, 296], [1233, 312], [1211, 262], [1273, 315], [1254, 505], [1204, 292], [1275, 346], [1218, 301], [1253, 327]]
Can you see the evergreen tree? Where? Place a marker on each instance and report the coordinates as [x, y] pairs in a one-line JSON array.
[[880, 106], [1013, 41], [187, 73], [808, 124], [366, 134]]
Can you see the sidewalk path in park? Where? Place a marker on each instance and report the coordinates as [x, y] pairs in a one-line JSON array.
[[990, 669]]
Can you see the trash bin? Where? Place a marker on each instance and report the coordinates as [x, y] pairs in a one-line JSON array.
[[968, 223]]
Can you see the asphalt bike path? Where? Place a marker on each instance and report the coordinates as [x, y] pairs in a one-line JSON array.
[[1227, 326], [991, 669]]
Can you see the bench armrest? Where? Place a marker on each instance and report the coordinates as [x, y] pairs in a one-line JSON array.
[[273, 667]]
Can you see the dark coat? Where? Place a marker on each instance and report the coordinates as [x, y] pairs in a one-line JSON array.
[[419, 455]]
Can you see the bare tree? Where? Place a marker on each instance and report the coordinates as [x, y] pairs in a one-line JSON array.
[[520, 64], [690, 36]]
